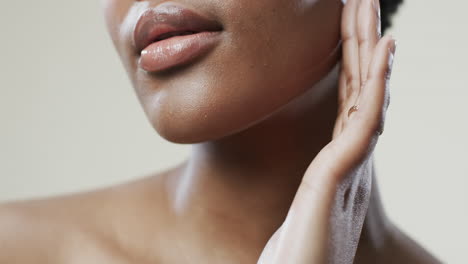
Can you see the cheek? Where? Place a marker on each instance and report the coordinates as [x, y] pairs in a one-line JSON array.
[[112, 15], [278, 42], [276, 53], [119, 16]]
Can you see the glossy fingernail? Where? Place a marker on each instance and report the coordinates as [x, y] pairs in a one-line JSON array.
[[391, 55], [393, 46]]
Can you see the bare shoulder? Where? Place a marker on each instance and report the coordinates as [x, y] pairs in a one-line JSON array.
[[57, 229], [34, 230], [395, 246], [403, 249]]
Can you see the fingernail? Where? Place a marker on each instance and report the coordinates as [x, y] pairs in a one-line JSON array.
[[380, 130], [393, 46], [391, 55], [392, 50]]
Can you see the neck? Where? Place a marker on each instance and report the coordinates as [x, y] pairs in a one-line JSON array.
[[252, 176]]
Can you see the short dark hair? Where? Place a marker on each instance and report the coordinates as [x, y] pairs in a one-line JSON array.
[[387, 9]]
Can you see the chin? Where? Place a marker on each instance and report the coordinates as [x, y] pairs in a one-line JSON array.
[[186, 129], [203, 113], [189, 124]]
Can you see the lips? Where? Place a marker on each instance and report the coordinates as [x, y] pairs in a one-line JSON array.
[[169, 35]]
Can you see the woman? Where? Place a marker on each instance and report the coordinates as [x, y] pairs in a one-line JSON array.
[[283, 102]]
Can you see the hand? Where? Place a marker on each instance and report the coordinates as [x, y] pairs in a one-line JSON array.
[[325, 220]]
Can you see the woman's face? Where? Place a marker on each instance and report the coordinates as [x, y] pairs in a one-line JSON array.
[[267, 53]]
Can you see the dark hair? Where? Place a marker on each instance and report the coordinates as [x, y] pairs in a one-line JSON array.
[[387, 9]]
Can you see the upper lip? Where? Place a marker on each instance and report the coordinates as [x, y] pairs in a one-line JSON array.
[[169, 19]]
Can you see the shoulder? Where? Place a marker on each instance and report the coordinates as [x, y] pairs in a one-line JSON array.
[[42, 230], [396, 247], [52, 229], [403, 249]]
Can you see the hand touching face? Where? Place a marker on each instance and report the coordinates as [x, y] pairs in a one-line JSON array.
[[324, 222]]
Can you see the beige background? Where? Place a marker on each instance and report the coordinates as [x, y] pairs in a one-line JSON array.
[[70, 120]]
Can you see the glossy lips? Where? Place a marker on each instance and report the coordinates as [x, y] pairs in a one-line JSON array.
[[169, 35]]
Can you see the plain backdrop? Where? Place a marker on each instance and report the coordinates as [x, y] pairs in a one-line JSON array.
[[69, 120]]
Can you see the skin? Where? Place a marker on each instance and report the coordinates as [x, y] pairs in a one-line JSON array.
[[274, 177]]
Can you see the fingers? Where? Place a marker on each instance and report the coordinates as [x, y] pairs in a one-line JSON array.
[[350, 48], [373, 59], [375, 96], [360, 137], [360, 34], [368, 24]]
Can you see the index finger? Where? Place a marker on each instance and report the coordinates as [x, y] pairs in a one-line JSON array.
[[368, 31], [349, 37]]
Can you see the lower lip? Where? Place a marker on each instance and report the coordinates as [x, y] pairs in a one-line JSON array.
[[177, 50]]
